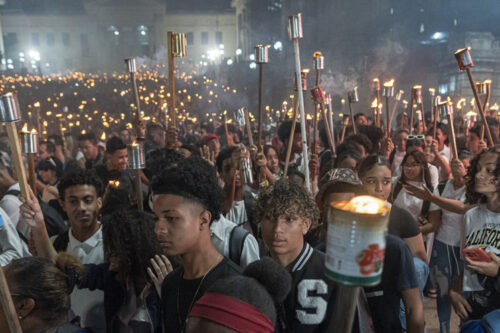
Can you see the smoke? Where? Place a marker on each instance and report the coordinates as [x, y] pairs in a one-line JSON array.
[[156, 62], [339, 83], [388, 59]]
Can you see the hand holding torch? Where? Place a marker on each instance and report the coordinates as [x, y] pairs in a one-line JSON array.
[[295, 33], [352, 97], [464, 60], [388, 93]]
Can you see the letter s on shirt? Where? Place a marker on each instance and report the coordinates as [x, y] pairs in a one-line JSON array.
[[311, 302]]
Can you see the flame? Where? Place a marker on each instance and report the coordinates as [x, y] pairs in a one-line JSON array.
[[317, 54], [309, 117], [471, 114], [34, 131], [488, 82], [103, 136], [25, 128], [494, 107], [114, 183], [374, 103], [389, 83], [363, 205], [432, 91], [376, 80]]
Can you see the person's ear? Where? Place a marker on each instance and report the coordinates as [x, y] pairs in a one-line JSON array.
[[24, 307], [205, 219], [306, 225], [99, 203]]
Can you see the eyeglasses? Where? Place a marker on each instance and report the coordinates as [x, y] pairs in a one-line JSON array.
[[415, 137]]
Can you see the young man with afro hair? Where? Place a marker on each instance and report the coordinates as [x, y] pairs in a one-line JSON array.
[[186, 199]]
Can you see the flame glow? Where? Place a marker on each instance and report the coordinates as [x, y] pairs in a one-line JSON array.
[[363, 205], [374, 103], [389, 83]]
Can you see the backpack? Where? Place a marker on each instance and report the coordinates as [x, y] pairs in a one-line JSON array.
[[53, 221], [236, 242]]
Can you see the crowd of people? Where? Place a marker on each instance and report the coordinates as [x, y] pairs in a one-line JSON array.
[[227, 242]]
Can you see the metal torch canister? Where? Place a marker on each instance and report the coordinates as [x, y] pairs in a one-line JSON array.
[[303, 79], [376, 84], [318, 62], [353, 96], [9, 109], [295, 26], [481, 88], [30, 142], [388, 91], [417, 94], [136, 159], [131, 65], [178, 44], [399, 95], [356, 245], [464, 58], [261, 54], [318, 95]]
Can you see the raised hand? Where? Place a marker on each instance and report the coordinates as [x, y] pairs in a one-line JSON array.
[[162, 267], [30, 210]]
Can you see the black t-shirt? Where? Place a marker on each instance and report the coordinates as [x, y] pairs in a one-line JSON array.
[[398, 275], [178, 295], [402, 223]]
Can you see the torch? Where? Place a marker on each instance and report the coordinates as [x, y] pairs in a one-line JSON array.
[[136, 162], [388, 92], [295, 33], [432, 94], [30, 148], [319, 100], [330, 119], [435, 114], [132, 69], [464, 60], [376, 89], [261, 58], [352, 97], [176, 48], [446, 110], [248, 126], [416, 98], [484, 88], [397, 99], [318, 64], [10, 113], [344, 127], [8, 306], [355, 251], [374, 108]]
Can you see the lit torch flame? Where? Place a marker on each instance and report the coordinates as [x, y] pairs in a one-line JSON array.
[[389, 83], [374, 104], [25, 128], [363, 205]]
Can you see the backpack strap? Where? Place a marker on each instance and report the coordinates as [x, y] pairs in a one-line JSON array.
[[61, 242], [236, 242], [13, 192]]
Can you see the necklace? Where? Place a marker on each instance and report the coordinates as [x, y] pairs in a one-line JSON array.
[[179, 319]]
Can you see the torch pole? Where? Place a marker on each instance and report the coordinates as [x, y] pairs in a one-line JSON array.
[[315, 119], [346, 302], [393, 111], [290, 139], [171, 80], [261, 108], [305, 153], [423, 116], [485, 108], [411, 116], [8, 306], [327, 129], [249, 128], [351, 113], [16, 157], [346, 122], [435, 118], [388, 116], [138, 186], [480, 107], [330, 123], [453, 140], [32, 171]]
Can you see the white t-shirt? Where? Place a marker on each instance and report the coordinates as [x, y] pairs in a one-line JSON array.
[[482, 229], [398, 159], [407, 201], [89, 305], [452, 229], [11, 203], [445, 152], [433, 171]]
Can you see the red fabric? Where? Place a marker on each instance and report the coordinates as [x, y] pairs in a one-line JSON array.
[[209, 137], [232, 313]]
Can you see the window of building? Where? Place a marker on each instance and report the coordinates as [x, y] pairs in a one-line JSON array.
[[66, 39], [51, 39], [218, 37], [9, 40], [143, 35], [84, 39], [189, 38], [35, 39], [204, 37]]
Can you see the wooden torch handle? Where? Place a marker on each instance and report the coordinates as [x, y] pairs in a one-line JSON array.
[[17, 159], [480, 107], [8, 306]]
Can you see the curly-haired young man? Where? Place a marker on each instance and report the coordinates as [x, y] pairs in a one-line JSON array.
[[287, 212], [186, 199]]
